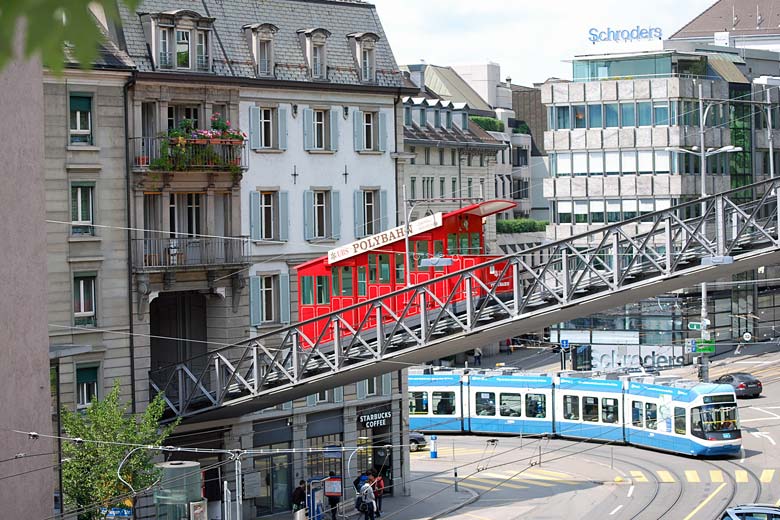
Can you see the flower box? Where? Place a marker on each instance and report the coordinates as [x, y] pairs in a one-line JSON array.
[[142, 160]]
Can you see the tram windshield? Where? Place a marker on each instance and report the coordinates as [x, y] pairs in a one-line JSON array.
[[721, 417]]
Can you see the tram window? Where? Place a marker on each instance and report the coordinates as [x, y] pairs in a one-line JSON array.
[[609, 410], [307, 288], [452, 244], [384, 268], [511, 405], [485, 403], [346, 281], [651, 415], [334, 274], [372, 269], [418, 403], [637, 418], [443, 403], [361, 280], [399, 268], [535, 406], [438, 251], [571, 407], [475, 244], [679, 420], [323, 290], [590, 409]]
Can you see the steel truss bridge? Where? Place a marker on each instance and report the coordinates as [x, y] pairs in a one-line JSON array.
[[616, 264]]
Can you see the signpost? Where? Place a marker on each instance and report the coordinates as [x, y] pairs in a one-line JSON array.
[[706, 346], [694, 325], [564, 346]]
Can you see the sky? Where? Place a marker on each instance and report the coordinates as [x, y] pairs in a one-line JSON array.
[[528, 38]]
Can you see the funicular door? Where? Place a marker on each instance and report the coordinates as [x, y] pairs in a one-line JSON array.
[[343, 289]]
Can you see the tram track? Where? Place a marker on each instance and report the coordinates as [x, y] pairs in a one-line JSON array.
[[758, 486]]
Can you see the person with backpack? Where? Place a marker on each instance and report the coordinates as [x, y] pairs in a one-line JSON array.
[[367, 499], [379, 491], [299, 496]]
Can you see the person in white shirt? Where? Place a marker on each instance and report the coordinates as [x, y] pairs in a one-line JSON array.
[[367, 494], [478, 356]]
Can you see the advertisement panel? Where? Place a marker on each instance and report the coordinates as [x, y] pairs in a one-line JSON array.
[[610, 357]]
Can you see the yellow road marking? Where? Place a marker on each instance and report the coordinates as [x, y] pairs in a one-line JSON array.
[[464, 484], [536, 480], [716, 475], [498, 483], [741, 476], [767, 475], [476, 516], [665, 476], [692, 476], [552, 473], [638, 476], [706, 501]]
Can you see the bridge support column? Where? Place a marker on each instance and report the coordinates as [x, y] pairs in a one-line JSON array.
[[518, 288], [469, 304], [564, 276]]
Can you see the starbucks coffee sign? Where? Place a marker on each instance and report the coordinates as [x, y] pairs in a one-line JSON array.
[[376, 419]]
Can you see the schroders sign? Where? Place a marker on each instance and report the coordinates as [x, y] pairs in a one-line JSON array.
[[624, 35]]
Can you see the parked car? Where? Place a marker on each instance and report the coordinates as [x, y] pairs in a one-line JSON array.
[[417, 441], [752, 512], [745, 385]]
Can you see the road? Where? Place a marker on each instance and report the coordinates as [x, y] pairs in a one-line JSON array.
[[587, 480]]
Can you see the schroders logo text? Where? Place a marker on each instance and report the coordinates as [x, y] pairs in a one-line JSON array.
[[625, 35]]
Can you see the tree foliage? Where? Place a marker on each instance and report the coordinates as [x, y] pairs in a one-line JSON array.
[[53, 25], [89, 473], [490, 124], [520, 225]]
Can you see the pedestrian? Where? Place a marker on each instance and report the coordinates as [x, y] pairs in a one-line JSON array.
[[299, 496], [333, 501], [367, 494], [379, 491], [478, 356], [359, 481]]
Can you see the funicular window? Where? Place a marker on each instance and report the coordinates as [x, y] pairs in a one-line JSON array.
[[346, 281], [511, 405], [571, 407], [452, 243], [372, 273], [307, 288], [536, 406], [714, 418], [475, 249], [637, 417], [335, 282], [323, 290], [399, 268], [438, 252], [609, 410], [443, 403], [361, 280], [679, 420], [420, 253], [464, 243], [485, 403], [418, 403], [384, 268], [590, 409], [651, 416]]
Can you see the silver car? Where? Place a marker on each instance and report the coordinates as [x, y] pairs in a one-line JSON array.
[[752, 512]]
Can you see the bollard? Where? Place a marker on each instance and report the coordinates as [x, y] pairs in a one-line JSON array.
[[456, 480], [540, 455], [434, 453]]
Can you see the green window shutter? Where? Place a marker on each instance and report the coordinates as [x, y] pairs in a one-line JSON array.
[[284, 221], [362, 389], [387, 383], [357, 130], [254, 128], [282, 128], [335, 214], [360, 229], [383, 210], [254, 215], [338, 394], [81, 103], [86, 375], [284, 298], [308, 128], [308, 215], [255, 301], [382, 135], [334, 130]]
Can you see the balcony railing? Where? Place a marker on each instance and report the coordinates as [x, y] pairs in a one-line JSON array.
[[179, 154], [172, 253], [202, 64], [166, 60], [264, 67]]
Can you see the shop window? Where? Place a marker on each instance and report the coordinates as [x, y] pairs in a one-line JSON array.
[[485, 403]]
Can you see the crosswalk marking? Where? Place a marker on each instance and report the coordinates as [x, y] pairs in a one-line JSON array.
[[741, 476], [500, 483], [464, 484], [665, 476], [716, 475], [767, 475], [692, 476], [639, 476]]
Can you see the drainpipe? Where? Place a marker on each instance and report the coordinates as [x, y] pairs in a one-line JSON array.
[[59, 437], [395, 126], [460, 180], [130, 82]]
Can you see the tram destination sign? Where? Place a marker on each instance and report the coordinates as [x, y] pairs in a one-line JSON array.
[[382, 239]]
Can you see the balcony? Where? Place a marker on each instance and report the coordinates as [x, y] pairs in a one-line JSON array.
[[186, 154], [162, 254]]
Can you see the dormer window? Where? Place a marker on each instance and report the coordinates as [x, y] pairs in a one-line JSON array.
[[179, 40], [261, 40], [315, 45], [363, 48]]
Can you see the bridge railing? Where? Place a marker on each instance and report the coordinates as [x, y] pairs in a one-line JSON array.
[[602, 261]]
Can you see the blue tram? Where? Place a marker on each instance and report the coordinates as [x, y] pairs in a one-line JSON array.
[[678, 416]]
